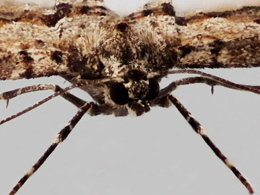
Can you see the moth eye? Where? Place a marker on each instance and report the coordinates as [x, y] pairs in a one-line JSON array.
[[154, 89], [119, 94]]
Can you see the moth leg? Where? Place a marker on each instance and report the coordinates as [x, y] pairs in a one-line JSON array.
[[42, 87], [60, 137], [58, 92], [90, 108], [208, 81], [185, 81], [196, 126], [219, 81]]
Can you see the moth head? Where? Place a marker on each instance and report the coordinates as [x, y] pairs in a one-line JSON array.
[[136, 87]]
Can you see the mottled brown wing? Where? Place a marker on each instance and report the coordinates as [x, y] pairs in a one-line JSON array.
[[221, 39], [36, 42]]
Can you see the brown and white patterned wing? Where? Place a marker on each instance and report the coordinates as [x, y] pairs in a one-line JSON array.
[[36, 42], [221, 39]]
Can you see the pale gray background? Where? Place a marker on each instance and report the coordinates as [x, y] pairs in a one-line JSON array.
[[156, 154]]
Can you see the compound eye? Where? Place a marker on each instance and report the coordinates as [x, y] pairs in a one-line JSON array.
[[154, 89], [119, 94]]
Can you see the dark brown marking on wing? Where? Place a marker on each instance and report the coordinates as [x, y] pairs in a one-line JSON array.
[[180, 21], [250, 13], [167, 8], [84, 9], [39, 43], [63, 10], [91, 10], [186, 49], [163, 9], [257, 21], [147, 12], [4, 21], [217, 47], [26, 57], [28, 73], [57, 56]]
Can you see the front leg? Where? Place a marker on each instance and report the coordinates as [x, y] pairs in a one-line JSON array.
[[197, 127], [42, 87], [61, 136]]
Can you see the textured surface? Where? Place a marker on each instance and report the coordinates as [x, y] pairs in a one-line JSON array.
[[90, 40]]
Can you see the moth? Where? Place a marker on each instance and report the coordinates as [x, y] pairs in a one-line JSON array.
[[120, 62]]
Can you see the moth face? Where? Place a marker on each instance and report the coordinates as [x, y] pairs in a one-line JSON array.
[[137, 87]]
